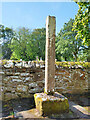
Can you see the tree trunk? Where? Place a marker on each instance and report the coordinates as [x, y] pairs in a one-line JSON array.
[[75, 57], [65, 58]]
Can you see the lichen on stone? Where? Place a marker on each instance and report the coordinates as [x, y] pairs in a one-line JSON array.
[[48, 104]]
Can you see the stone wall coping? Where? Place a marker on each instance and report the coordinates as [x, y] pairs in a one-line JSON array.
[[41, 64]]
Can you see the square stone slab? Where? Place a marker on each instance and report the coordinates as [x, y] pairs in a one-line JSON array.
[[51, 104]]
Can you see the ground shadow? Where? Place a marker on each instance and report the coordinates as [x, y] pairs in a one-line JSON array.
[[17, 105], [25, 104]]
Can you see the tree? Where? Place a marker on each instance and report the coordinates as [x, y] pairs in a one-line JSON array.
[[6, 35], [67, 46], [19, 42], [27, 44], [39, 36], [81, 23]]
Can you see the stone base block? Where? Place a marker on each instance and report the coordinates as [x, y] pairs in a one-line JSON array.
[[51, 104]]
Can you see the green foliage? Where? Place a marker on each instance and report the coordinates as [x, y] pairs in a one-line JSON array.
[[38, 46], [26, 44], [18, 44], [6, 35], [81, 23], [67, 47]]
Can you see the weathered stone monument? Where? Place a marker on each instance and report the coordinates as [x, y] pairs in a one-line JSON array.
[[50, 54], [50, 102]]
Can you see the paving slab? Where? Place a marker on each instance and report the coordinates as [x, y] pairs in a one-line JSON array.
[[79, 110], [75, 112]]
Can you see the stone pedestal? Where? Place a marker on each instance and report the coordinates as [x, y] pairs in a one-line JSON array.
[[51, 104]]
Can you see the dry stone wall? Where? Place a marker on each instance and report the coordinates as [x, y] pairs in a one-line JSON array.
[[22, 79]]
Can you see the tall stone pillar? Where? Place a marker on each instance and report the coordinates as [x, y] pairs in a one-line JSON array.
[[50, 54], [53, 102]]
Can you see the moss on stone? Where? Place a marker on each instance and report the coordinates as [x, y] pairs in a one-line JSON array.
[[63, 64], [51, 106]]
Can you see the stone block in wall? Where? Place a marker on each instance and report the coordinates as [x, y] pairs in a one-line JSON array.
[[78, 86], [8, 89], [61, 71], [6, 80], [19, 94], [1, 97], [22, 88], [59, 75], [40, 84], [0, 86], [65, 80], [82, 75], [8, 70], [34, 90], [8, 96], [14, 77], [71, 83], [77, 90], [38, 77], [25, 74], [8, 66], [78, 74], [58, 84], [27, 79], [17, 80], [23, 69], [18, 65], [14, 84], [1, 73], [28, 70], [23, 95], [69, 87], [14, 96], [17, 73], [60, 89], [33, 85], [9, 73], [18, 70], [32, 75], [37, 70]]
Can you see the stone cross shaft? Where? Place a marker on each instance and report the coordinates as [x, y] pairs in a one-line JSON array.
[[50, 54]]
